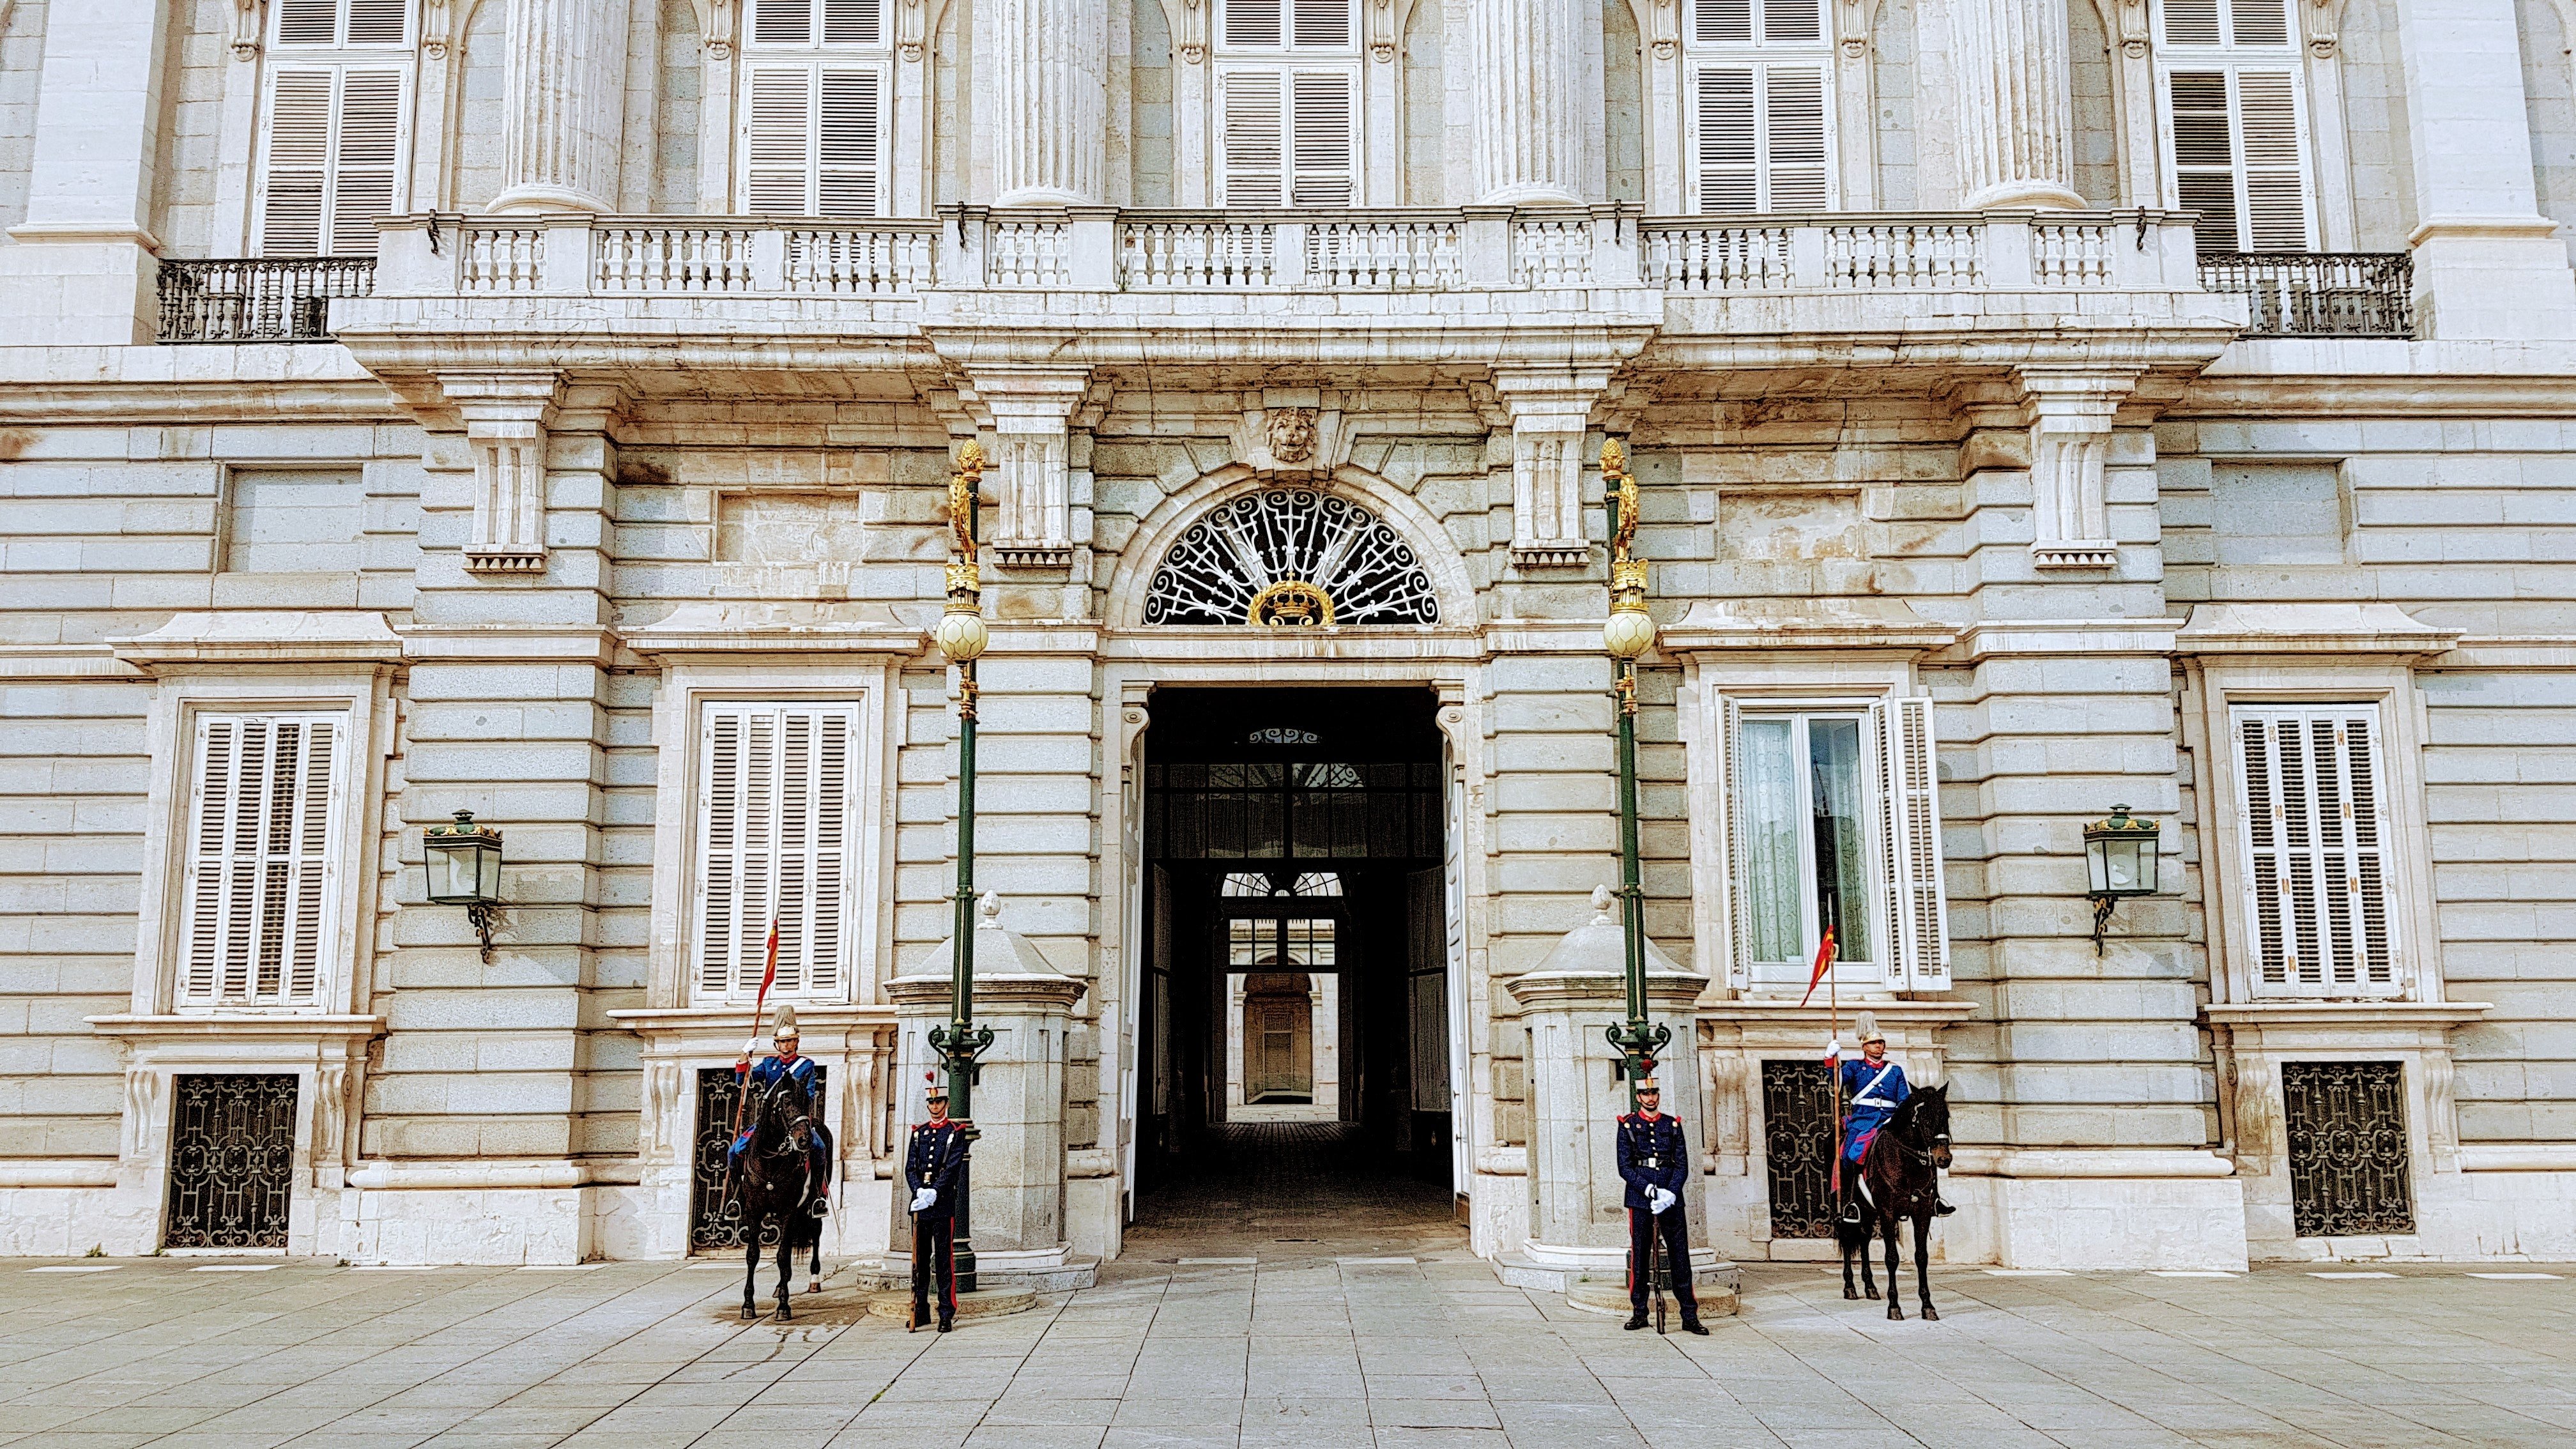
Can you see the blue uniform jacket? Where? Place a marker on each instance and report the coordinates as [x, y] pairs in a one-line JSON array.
[[1870, 1106], [1652, 1154], [938, 1151], [768, 1070]]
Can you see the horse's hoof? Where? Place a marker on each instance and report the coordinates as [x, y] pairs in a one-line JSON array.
[[785, 1313], [1895, 1314], [1852, 1293], [1873, 1295], [1931, 1314], [748, 1313], [815, 1287]]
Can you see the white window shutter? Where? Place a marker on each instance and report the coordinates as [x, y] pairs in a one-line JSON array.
[[846, 142], [2191, 22], [1722, 22], [2258, 22], [259, 862], [1253, 161], [1917, 909], [1729, 150], [367, 155], [1793, 104], [782, 22], [2272, 142], [853, 22], [2204, 155], [774, 844], [777, 170], [1739, 934], [1793, 22], [1320, 115], [1253, 23], [2316, 895], [1321, 25], [296, 170], [378, 22], [308, 22]]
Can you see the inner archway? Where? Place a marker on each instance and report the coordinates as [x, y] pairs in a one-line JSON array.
[[1296, 1024]]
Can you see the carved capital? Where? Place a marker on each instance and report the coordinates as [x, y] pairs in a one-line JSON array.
[[249, 19], [506, 416], [912, 30], [2070, 446]]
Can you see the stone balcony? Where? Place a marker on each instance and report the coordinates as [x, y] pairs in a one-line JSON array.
[[1456, 290]]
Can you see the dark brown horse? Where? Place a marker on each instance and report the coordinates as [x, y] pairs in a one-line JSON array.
[[773, 1177], [1900, 1170]]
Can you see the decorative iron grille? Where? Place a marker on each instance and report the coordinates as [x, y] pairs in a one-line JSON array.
[[258, 299], [715, 1215], [232, 1161], [1798, 1141], [2348, 1149], [2319, 294], [1265, 557]]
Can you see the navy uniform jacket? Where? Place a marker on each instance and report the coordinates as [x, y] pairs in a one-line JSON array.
[[1652, 1154], [938, 1151]]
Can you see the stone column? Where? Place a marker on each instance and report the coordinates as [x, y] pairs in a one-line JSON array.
[[564, 105], [2015, 103], [1534, 98], [1015, 1200], [1578, 1214], [83, 272], [1051, 77], [2487, 264]]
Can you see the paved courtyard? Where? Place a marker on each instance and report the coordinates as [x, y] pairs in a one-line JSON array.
[[1328, 1337]]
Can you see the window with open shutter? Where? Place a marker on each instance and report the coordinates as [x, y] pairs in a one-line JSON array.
[[261, 857], [773, 847], [1763, 137], [333, 126], [2317, 912], [1909, 809], [2236, 123], [1288, 137]]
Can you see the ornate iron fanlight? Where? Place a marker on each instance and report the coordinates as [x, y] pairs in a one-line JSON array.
[[1291, 558]]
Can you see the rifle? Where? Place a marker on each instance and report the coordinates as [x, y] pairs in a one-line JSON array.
[[1659, 1270], [912, 1322]]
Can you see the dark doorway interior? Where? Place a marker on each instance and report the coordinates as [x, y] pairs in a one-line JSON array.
[[1295, 837]]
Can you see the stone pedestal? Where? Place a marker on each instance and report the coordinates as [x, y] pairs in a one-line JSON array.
[[1578, 1212], [1015, 1200]]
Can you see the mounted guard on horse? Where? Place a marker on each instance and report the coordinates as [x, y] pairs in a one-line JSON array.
[[1895, 1142], [780, 1164], [786, 1061]]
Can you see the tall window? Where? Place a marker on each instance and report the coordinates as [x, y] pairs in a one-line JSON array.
[[813, 121], [1290, 942], [2316, 888], [773, 848], [1761, 106], [2236, 123], [1835, 827], [262, 851], [1287, 103], [334, 120]]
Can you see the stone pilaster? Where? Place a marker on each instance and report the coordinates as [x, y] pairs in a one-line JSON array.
[[1051, 80], [1535, 101], [2070, 443], [1549, 412], [1032, 416], [505, 427], [2015, 103], [83, 271], [563, 105], [2487, 264]]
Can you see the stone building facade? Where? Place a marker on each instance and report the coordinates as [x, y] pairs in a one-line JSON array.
[[544, 408]]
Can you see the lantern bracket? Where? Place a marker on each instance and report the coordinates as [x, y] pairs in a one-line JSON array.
[[482, 917]]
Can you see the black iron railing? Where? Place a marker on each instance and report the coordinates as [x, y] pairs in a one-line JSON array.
[[2319, 294], [258, 299]]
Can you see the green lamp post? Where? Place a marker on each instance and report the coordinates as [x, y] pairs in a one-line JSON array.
[[962, 638], [1629, 632]]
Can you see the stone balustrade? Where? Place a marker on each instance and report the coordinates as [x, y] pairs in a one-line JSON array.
[[1106, 249]]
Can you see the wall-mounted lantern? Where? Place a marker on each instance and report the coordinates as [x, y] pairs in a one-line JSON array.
[[462, 861], [2120, 858]]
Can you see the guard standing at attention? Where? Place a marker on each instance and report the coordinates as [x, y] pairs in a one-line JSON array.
[[1654, 1160], [930, 1169]]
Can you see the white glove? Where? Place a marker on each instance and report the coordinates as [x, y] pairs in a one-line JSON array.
[[1662, 1198], [1834, 1050], [924, 1198]]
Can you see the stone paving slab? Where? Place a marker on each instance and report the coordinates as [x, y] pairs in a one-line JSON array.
[[1292, 1351]]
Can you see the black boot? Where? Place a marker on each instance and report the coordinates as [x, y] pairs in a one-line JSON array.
[[1692, 1325], [1635, 1321], [947, 1325], [1941, 1209]]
